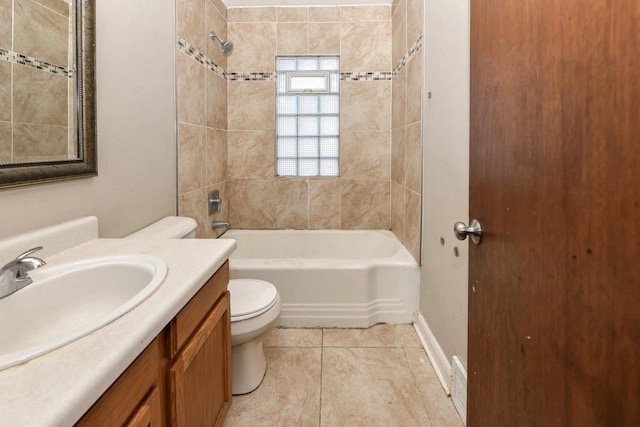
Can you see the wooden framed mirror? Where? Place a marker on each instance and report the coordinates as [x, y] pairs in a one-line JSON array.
[[47, 91]]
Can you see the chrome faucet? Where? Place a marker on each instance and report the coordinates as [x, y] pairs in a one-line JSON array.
[[220, 224], [15, 274]]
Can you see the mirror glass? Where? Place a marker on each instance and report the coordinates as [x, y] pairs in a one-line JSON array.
[[47, 108]]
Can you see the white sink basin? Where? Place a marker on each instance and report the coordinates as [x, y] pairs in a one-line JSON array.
[[68, 301]]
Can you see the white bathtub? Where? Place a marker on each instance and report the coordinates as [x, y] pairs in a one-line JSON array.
[[331, 278]]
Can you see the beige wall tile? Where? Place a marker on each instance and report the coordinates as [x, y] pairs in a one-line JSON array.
[[324, 38], [397, 210], [217, 167], [5, 142], [398, 143], [251, 154], [399, 34], [413, 157], [40, 32], [365, 13], [38, 142], [412, 224], [190, 76], [365, 205], [5, 91], [399, 100], [254, 47], [324, 14], [251, 105], [215, 22], [394, 6], [365, 155], [415, 11], [293, 38], [365, 105], [251, 14], [191, 22], [194, 205], [191, 157], [252, 203], [58, 6], [223, 215], [221, 7], [292, 14], [292, 207], [414, 88], [216, 100], [5, 29], [365, 46], [39, 97], [324, 204]]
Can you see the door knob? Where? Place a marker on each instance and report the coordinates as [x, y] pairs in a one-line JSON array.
[[461, 231]]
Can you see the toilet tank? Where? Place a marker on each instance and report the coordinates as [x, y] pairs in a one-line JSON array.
[[170, 227]]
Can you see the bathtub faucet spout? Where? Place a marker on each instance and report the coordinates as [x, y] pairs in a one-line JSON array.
[[220, 224]]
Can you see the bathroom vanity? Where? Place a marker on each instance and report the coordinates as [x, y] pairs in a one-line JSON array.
[[165, 362], [184, 375]]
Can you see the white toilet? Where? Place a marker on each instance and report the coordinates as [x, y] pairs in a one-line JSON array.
[[255, 309]]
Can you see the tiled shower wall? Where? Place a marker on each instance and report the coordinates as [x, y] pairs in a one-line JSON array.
[[202, 111], [231, 145], [36, 81], [406, 123], [360, 197]]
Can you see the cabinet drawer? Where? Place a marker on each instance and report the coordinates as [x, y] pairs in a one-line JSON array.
[[188, 319], [124, 398]]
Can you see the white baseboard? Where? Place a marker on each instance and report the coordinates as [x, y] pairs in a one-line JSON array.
[[437, 357]]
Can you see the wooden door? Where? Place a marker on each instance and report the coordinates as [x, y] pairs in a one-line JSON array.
[[554, 288], [200, 378]]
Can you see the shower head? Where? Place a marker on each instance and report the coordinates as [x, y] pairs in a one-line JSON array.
[[226, 46]]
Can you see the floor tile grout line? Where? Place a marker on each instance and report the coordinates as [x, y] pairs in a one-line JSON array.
[[415, 383]]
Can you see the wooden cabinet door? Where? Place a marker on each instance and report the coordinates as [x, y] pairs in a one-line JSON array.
[[200, 377], [149, 413], [133, 392]]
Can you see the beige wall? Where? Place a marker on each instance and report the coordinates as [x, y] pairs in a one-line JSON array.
[[443, 293], [406, 123], [136, 131]]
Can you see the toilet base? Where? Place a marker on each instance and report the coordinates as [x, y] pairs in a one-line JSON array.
[[248, 367]]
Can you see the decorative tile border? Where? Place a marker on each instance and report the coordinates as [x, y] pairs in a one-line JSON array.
[[407, 57], [18, 58], [191, 51], [366, 76], [251, 76]]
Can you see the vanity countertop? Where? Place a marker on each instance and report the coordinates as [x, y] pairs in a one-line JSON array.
[[58, 388]]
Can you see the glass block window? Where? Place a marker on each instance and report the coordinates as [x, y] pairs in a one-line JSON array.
[[308, 118]]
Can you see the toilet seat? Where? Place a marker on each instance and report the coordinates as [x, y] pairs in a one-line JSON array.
[[250, 298]]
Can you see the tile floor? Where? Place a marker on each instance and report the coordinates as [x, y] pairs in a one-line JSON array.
[[379, 376]]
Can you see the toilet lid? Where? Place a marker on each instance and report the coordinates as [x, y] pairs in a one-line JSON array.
[[251, 297]]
